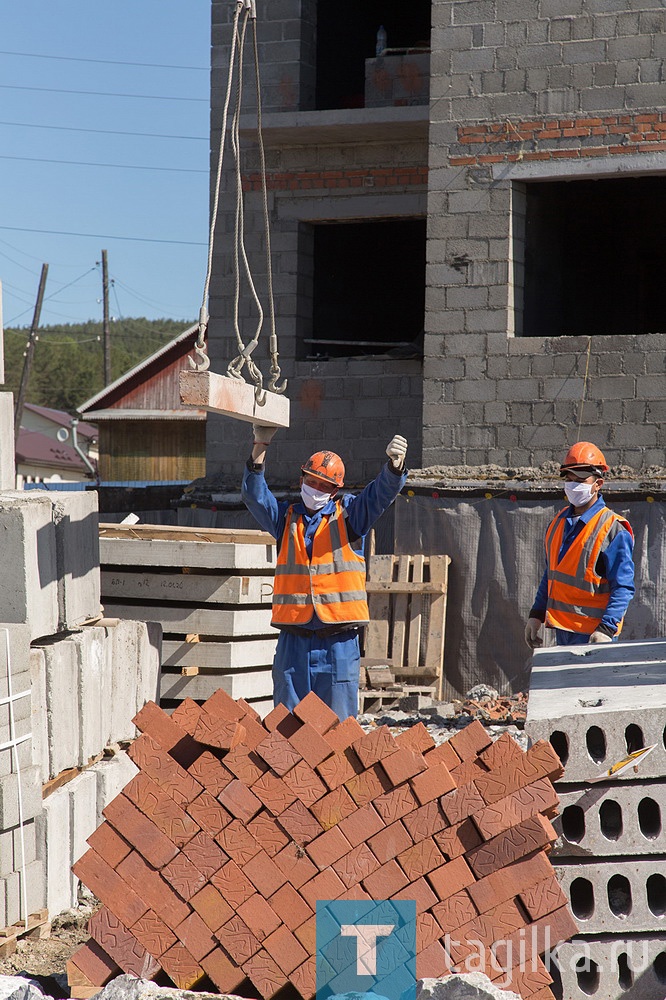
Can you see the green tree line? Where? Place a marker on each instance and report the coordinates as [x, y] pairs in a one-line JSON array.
[[68, 363]]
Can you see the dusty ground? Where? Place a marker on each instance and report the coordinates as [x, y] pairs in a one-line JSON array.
[[48, 957]]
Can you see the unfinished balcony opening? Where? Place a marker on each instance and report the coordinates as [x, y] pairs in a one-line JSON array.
[[368, 291], [594, 257], [359, 66]]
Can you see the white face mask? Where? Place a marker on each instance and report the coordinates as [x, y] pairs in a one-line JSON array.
[[314, 499], [578, 494]]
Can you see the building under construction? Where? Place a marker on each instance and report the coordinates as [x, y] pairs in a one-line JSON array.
[[465, 206]]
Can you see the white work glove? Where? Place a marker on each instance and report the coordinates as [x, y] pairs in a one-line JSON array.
[[532, 629], [396, 450], [600, 637], [263, 434]]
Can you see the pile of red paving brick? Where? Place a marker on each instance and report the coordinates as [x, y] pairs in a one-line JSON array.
[[210, 862]]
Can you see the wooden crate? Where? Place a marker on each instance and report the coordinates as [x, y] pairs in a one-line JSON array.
[[211, 590], [407, 601]]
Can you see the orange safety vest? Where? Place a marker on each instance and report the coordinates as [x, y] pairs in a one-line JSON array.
[[577, 595], [331, 582]]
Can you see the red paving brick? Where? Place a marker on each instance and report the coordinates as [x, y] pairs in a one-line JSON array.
[[331, 809], [110, 888], [159, 765], [343, 735], [416, 738], [139, 831], [259, 916], [304, 808], [268, 833], [328, 847], [375, 746], [313, 710], [290, 907], [310, 744], [239, 801], [306, 785], [121, 945], [442, 754], [94, 963], [234, 886], [109, 845], [432, 783], [210, 773], [211, 906], [470, 741], [390, 842], [403, 765], [186, 714], [265, 974], [264, 874]]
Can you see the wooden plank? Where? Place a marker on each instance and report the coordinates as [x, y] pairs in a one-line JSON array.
[[399, 602], [150, 553], [173, 618], [219, 655], [193, 587], [380, 676], [253, 684], [186, 533], [375, 587], [415, 612], [376, 641], [233, 398], [434, 661]]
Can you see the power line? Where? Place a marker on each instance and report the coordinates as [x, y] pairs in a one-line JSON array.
[[102, 93], [107, 62], [104, 236], [115, 166], [103, 131]]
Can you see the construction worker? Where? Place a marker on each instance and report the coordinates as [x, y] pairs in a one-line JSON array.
[[319, 599], [589, 576]]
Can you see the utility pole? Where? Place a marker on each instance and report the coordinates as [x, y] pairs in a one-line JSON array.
[[106, 329], [29, 353]]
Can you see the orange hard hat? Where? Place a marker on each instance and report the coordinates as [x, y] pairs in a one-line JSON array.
[[325, 465], [584, 455]]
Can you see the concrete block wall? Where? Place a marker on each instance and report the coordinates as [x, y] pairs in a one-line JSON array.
[[523, 92], [350, 405]]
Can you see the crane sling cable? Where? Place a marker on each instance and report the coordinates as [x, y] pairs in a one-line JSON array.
[[198, 387]]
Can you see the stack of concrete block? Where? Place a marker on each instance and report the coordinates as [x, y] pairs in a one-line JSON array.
[[597, 704], [210, 863], [73, 692], [21, 864], [211, 591], [96, 679], [50, 542]]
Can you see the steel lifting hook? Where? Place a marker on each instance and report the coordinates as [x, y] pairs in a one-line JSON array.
[[202, 364]]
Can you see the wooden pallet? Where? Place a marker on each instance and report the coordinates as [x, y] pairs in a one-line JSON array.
[[36, 927], [407, 601], [374, 701]]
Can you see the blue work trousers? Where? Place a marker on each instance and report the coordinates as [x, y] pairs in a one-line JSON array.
[[564, 638], [327, 665]]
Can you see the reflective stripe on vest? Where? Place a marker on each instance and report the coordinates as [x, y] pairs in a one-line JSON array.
[[331, 582], [577, 595]]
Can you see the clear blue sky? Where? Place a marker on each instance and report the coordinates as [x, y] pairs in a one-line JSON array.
[[64, 65]]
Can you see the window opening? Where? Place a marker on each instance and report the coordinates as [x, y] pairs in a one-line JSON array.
[[368, 289], [594, 257], [349, 74]]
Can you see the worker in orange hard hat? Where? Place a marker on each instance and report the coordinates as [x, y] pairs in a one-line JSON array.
[[589, 577], [319, 596]]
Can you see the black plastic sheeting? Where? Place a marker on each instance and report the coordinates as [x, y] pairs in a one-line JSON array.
[[497, 560]]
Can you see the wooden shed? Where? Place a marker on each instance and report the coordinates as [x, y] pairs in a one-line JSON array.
[[145, 434]]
